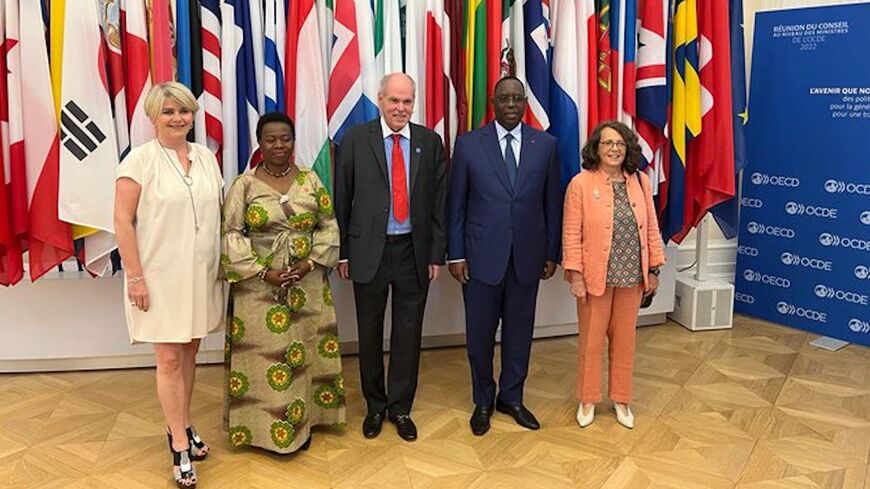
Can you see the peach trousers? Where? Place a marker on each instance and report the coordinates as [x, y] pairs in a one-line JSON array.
[[613, 314]]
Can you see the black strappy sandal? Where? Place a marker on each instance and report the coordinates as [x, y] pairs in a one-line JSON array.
[[183, 470], [198, 449]]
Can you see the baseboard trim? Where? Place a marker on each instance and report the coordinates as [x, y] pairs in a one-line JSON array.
[[217, 356], [96, 363]]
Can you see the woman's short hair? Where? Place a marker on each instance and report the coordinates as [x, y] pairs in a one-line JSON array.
[[275, 117], [160, 93], [589, 155]]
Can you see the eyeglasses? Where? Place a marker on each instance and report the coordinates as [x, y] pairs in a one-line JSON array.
[[505, 99], [610, 144]]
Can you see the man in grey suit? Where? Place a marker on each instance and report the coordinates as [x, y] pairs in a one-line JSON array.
[[390, 203]]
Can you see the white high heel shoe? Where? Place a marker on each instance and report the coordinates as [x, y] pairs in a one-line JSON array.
[[626, 419], [585, 420]]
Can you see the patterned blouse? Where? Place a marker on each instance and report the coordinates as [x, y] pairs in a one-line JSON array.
[[624, 268]]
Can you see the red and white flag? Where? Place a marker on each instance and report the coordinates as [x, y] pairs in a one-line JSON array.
[[11, 265], [162, 61], [209, 128], [14, 138], [437, 66], [137, 75]]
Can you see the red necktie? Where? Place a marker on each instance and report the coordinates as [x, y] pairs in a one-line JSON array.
[[400, 185]]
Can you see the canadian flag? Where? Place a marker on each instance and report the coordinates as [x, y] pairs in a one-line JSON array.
[[11, 266]]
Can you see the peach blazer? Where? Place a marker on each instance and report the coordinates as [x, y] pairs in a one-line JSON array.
[[587, 228]]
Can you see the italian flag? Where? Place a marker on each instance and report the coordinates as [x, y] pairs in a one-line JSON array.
[[305, 91]]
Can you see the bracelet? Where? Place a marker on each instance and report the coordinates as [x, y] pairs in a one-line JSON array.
[[310, 263], [655, 271], [262, 274], [135, 280]]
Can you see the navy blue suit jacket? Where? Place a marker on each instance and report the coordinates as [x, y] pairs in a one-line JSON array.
[[489, 220]]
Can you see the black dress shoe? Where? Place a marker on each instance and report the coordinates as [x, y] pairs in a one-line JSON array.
[[521, 415], [372, 424], [405, 426], [480, 419]]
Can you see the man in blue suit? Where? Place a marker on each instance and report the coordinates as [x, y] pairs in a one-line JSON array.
[[504, 218]]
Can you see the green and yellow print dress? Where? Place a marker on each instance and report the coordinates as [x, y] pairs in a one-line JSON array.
[[283, 361]]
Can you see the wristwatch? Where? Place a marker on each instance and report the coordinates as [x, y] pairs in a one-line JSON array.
[[655, 271]]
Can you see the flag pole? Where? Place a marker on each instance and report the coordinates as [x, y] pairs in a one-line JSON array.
[[702, 252]]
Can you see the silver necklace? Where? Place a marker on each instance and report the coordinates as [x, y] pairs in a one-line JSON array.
[[187, 180], [278, 174]]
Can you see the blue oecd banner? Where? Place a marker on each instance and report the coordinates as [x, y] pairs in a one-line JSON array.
[[804, 243]]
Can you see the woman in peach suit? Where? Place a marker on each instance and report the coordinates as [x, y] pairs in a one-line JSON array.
[[612, 254]]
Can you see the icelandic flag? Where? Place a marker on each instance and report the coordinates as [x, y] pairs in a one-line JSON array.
[[347, 104], [537, 65]]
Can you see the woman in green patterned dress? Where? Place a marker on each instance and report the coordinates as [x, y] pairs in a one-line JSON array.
[[279, 238]]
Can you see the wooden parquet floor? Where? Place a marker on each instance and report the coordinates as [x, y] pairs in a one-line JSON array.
[[754, 407]]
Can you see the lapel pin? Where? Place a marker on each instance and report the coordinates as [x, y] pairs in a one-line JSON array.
[[596, 194], [417, 150]]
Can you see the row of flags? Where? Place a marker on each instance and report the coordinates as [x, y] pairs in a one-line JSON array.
[[663, 68]]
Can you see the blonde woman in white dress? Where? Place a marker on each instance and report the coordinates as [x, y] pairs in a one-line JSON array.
[[167, 221]]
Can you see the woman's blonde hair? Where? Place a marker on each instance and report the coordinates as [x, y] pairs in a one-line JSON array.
[[159, 94]]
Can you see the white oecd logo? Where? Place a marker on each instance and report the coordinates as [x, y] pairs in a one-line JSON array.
[[838, 186], [791, 259], [753, 276], [833, 186], [862, 272], [828, 239], [793, 208], [825, 292], [787, 309], [775, 180], [760, 228], [859, 326]]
